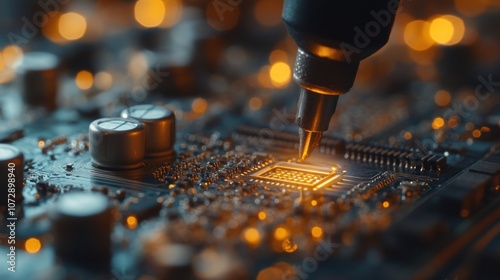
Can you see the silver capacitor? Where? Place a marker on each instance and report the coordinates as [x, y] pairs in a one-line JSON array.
[[159, 126], [38, 76], [117, 143]]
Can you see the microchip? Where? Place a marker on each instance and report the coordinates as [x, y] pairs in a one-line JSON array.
[[295, 175]]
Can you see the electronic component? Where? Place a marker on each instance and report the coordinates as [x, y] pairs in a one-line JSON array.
[[117, 143], [300, 176], [159, 128], [143, 209], [82, 224], [38, 79], [11, 174]]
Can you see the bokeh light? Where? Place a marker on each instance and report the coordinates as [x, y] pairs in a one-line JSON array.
[[417, 36], [270, 273], [447, 30], [437, 123], [442, 98], [199, 105], [255, 103], [84, 80], [280, 74], [132, 222], [317, 232], [72, 26], [103, 80], [252, 236], [33, 245], [149, 13], [281, 233], [12, 55]]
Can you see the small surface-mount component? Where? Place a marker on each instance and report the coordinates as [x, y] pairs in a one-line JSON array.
[[116, 143], [11, 174], [144, 209], [295, 175], [159, 127], [82, 224]]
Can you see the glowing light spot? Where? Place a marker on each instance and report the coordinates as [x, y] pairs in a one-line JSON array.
[[289, 246], [407, 135], [471, 8], [132, 222], [270, 273], [255, 103], [199, 105], [262, 215], [416, 35], [280, 74], [314, 202], [84, 80], [469, 126], [441, 30], [281, 233], [103, 80], [33, 245], [476, 133], [252, 236], [453, 122], [12, 55], [442, 98], [458, 27], [317, 232], [149, 13], [278, 56], [437, 123], [41, 143], [386, 204], [2, 64], [51, 29], [447, 30], [72, 26], [485, 129]]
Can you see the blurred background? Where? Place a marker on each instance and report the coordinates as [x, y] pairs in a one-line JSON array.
[[230, 54]]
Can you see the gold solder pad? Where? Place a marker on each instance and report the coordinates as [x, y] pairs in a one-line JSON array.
[[296, 175]]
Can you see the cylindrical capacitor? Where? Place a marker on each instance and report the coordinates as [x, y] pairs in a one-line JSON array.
[[11, 174], [82, 225], [117, 143], [38, 79], [159, 126]]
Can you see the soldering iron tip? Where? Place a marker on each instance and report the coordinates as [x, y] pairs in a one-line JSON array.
[[308, 141]]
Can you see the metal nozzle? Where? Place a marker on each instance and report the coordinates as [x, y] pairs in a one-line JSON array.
[[308, 141], [313, 117]]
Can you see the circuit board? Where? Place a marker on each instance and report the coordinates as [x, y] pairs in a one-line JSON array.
[[232, 200], [404, 185]]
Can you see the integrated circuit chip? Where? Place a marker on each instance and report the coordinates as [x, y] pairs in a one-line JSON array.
[[295, 175]]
